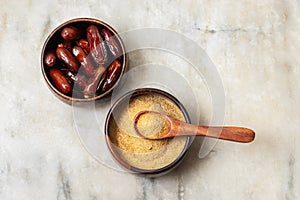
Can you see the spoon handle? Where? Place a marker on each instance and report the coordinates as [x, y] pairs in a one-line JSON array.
[[231, 133]]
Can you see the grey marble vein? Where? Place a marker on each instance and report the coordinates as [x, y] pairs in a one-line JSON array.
[[291, 167], [230, 30], [64, 191]]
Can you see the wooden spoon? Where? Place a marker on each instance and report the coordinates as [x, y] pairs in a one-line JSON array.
[[173, 127]]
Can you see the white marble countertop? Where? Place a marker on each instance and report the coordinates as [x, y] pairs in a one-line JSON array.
[[255, 46]]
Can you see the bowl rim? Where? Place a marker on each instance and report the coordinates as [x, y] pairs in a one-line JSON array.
[[70, 99], [124, 164]]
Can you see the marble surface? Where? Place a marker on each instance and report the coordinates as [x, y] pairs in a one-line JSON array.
[[255, 46]]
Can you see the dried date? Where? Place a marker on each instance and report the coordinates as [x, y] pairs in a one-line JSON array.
[[84, 44], [67, 44], [60, 81], [84, 60], [94, 82], [113, 73], [111, 43], [78, 81], [71, 33], [50, 58], [97, 45], [68, 59]]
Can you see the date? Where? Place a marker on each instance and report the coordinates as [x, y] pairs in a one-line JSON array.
[[50, 58], [113, 73], [60, 81], [70, 76], [84, 60], [94, 82], [71, 33], [67, 58], [111, 43], [67, 44], [97, 45], [78, 81], [84, 44]]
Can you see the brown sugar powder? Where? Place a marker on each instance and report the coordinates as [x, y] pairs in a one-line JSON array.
[[152, 125], [139, 152]]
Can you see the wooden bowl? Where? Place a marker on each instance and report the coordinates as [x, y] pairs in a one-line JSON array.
[[112, 147], [55, 38]]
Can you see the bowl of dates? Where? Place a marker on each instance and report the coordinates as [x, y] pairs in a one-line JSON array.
[[83, 60]]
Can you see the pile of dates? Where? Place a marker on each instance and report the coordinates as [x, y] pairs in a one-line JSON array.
[[86, 63]]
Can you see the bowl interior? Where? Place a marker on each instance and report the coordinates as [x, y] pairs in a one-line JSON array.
[[55, 38], [115, 109]]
